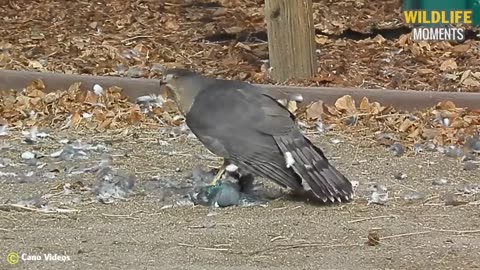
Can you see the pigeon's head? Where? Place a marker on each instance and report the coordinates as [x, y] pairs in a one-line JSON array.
[[183, 85]]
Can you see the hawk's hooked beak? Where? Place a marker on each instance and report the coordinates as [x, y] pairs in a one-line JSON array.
[[164, 84]]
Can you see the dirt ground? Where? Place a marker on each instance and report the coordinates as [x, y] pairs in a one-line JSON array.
[[286, 234]]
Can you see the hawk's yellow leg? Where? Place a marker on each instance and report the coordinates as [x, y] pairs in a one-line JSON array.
[[219, 175]]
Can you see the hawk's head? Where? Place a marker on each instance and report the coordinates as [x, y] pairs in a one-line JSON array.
[[183, 85]]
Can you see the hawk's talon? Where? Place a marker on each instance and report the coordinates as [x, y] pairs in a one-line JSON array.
[[218, 176]]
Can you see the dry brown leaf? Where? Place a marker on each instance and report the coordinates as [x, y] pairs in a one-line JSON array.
[[105, 123], [446, 105], [75, 119], [167, 117], [110, 114], [430, 133], [379, 39], [315, 110], [471, 82], [292, 106], [346, 104], [90, 98], [321, 39], [172, 25], [476, 74], [461, 48], [416, 49], [332, 110], [424, 71], [35, 93], [405, 125], [91, 125], [134, 116], [424, 45], [233, 30], [243, 46], [50, 97], [36, 101], [465, 75], [452, 77], [414, 134], [35, 85], [365, 105], [404, 39], [35, 64], [458, 123], [439, 139], [448, 64]]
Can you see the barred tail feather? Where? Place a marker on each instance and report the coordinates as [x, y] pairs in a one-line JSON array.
[[325, 181]]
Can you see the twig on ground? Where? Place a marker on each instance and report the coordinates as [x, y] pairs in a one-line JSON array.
[[404, 235], [454, 231], [390, 115], [430, 230], [135, 37], [18, 207], [371, 218], [304, 245], [203, 248], [431, 198], [147, 172], [119, 216], [278, 238]]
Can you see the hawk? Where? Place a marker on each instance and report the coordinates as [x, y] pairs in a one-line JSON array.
[[254, 134]]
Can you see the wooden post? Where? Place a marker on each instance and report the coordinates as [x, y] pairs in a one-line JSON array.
[[291, 39]]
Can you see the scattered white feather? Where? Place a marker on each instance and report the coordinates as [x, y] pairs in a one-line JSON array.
[[335, 141], [4, 130], [42, 134], [28, 155], [289, 159], [98, 89], [355, 183], [283, 102], [8, 174], [86, 115], [231, 168], [379, 194], [56, 154], [445, 122], [33, 134], [322, 127], [296, 97], [378, 198]]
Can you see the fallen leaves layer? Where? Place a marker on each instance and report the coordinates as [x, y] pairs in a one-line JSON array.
[[99, 109], [78, 107], [443, 124]]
